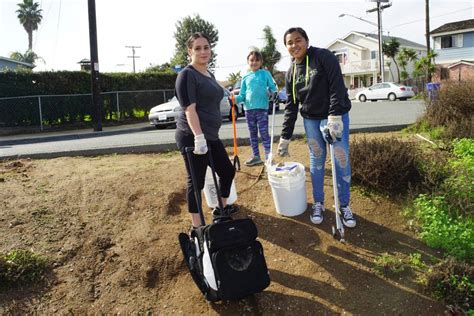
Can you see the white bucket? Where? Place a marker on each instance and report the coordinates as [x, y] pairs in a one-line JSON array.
[[210, 191], [288, 188]]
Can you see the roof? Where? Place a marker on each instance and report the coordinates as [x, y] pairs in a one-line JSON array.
[[345, 42], [454, 26], [17, 62], [463, 62], [402, 41]]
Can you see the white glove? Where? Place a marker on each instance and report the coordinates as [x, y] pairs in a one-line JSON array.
[[200, 145], [283, 147], [334, 128]]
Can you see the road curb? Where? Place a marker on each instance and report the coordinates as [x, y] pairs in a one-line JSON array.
[[159, 148]]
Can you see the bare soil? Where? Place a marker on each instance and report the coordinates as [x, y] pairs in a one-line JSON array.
[[109, 226]]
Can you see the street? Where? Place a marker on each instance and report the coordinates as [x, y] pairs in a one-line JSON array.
[[368, 116]]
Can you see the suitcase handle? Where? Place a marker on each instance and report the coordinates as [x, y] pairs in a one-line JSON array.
[[197, 193]]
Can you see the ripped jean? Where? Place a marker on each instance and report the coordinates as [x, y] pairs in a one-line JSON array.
[[317, 158]]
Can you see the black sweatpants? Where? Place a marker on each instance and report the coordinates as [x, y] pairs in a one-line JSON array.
[[222, 164]]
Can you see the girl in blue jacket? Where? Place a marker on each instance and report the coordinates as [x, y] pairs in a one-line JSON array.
[[254, 93]]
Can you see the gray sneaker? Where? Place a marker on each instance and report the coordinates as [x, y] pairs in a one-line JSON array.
[[317, 210], [254, 161]]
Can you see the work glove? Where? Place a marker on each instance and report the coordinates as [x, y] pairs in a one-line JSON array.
[[283, 147], [200, 145], [333, 129]]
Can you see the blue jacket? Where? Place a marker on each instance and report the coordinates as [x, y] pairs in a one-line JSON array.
[[254, 89]]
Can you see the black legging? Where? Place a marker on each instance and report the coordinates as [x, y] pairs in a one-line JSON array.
[[222, 164]]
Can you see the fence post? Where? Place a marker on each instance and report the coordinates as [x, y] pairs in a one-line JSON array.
[[118, 107], [164, 96], [40, 113]]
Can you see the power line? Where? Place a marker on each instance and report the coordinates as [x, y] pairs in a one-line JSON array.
[[415, 21]]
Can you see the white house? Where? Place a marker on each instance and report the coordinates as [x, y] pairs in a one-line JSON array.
[[454, 46], [11, 64], [358, 56]]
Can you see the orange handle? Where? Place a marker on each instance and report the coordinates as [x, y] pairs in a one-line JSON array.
[[233, 124]]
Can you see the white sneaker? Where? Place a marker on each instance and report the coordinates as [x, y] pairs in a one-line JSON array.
[[347, 217], [317, 210]]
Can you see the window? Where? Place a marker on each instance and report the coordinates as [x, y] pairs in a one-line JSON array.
[[451, 41], [373, 54], [444, 73]]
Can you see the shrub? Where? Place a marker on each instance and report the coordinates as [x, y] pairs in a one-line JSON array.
[[453, 281], [453, 109], [385, 165], [20, 267]]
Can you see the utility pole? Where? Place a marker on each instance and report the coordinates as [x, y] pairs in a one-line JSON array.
[[379, 10], [133, 55], [96, 101], [428, 41]]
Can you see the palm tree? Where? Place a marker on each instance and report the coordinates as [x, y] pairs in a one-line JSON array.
[[233, 77], [404, 56], [30, 17], [29, 57], [390, 49]]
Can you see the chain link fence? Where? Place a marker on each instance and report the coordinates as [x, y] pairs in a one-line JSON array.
[[43, 111]]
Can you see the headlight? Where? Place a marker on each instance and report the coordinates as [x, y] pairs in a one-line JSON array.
[[177, 109]]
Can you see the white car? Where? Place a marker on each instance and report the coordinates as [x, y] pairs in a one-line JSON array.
[[166, 114], [385, 90]]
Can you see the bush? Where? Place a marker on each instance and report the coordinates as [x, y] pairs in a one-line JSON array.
[[453, 281], [20, 267], [439, 229], [458, 188], [385, 165], [453, 110]]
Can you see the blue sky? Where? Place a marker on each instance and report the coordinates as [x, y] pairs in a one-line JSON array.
[[63, 39]]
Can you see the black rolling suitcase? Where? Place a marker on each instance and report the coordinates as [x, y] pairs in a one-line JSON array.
[[224, 258]]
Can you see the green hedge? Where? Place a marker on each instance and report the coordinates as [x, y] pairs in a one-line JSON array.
[[67, 110]]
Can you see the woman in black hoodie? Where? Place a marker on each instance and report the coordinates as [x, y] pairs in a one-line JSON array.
[[315, 82]]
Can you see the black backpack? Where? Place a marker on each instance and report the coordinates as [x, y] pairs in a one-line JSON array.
[[224, 258]]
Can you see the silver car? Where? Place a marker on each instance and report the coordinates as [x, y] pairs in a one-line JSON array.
[[166, 114], [385, 90]]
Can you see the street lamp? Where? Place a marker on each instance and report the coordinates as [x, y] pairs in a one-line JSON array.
[[379, 9], [358, 18]]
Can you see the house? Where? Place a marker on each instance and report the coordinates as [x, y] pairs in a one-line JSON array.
[[358, 56], [85, 64], [11, 64], [454, 46]]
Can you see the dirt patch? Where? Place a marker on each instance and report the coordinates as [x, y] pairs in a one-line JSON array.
[[109, 226]]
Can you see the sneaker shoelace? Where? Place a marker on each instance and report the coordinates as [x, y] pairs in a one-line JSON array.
[[347, 212], [317, 209]]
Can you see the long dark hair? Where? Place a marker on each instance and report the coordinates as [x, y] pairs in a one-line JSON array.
[[195, 36], [295, 29]]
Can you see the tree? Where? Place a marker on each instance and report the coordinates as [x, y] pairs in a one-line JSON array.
[[184, 29], [390, 49], [29, 57], [404, 56], [30, 17], [270, 54], [233, 77], [166, 67], [425, 66]]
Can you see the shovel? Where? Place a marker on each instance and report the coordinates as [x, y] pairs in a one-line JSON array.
[[236, 153]]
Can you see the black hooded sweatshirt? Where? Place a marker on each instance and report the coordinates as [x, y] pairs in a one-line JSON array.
[[320, 90]]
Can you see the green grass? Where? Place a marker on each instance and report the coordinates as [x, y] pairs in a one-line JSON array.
[[21, 267]]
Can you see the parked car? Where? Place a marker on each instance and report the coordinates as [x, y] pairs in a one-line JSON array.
[[166, 114], [236, 90], [385, 90]]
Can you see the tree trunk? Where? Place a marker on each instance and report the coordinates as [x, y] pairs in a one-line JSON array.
[[427, 24], [30, 40]]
